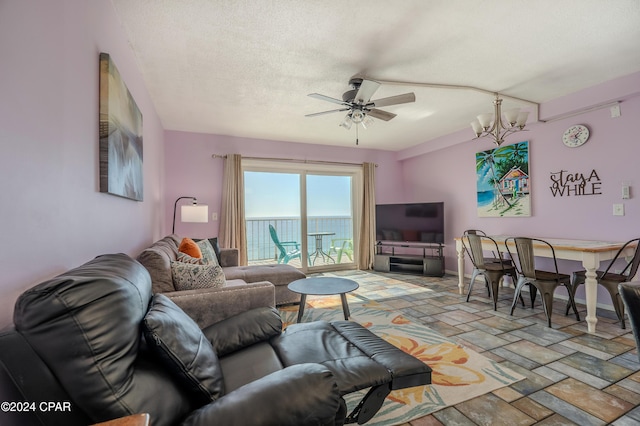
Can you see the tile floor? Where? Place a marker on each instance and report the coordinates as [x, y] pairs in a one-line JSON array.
[[572, 377]]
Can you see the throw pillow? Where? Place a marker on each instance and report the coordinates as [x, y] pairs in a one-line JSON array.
[[180, 345], [185, 258], [188, 246], [216, 246], [208, 253], [187, 276]]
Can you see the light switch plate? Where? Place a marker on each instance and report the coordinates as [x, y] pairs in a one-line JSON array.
[[618, 209]]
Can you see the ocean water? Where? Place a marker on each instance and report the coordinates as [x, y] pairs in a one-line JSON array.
[[485, 198]]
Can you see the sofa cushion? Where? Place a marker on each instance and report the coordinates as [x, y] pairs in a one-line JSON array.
[[85, 325], [190, 247], [216, 246], [278, 275], [189, 276], [183, 348], [157, 259]]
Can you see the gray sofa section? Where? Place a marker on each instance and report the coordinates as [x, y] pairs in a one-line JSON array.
[[247, 286]]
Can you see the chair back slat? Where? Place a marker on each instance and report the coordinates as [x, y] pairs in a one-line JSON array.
[[475, 250], [526, 258]]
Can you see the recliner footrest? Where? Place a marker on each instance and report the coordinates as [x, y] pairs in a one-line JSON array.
[[357, 358]]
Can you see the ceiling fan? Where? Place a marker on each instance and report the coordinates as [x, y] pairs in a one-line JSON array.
[[359, 105]]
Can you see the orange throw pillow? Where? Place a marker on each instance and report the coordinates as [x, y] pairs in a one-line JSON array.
[[188, 246]]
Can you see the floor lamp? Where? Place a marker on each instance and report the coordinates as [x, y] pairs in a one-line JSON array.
[[190, 213]]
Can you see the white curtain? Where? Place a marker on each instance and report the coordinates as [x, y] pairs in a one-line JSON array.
[[366, 250], [233, 232]]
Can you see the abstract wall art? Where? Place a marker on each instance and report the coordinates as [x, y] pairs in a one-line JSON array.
[[120, 135]]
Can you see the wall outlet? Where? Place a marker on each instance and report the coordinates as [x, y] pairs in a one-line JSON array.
[[618, 209], [214, 216], [626, 192]]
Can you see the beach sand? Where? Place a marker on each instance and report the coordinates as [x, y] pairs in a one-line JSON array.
[[522, 208]]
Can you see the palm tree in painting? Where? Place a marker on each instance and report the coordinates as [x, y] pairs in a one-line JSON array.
[[486, 159], [512, 156]]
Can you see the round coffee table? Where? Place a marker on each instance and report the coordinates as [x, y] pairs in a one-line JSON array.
[[323, 286]]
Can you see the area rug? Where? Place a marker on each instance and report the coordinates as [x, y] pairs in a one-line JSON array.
[[459, 373]]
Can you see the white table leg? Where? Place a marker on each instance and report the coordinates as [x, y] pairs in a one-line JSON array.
[[590, 264], [460, 252]]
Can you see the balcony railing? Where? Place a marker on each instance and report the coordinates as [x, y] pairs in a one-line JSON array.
[[260, 246]]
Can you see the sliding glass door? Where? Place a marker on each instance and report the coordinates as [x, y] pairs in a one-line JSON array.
[[272, 215], [302, 215], [329, 219]]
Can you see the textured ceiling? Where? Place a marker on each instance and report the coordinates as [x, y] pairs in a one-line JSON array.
[[245, 67]]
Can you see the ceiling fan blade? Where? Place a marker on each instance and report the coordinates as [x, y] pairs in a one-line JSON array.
[[380, 114], [327, 98], [393, 100], [327, 112], [366, 90]]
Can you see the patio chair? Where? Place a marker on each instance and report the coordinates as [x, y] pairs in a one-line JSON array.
[[610, 280], [341, 246], [287, 249], [492, 272], [544, 281]]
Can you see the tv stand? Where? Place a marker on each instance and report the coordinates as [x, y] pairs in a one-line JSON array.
[[411, 258]]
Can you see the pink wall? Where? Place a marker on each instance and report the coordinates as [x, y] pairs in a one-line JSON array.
[[52, 214], [190, 170]]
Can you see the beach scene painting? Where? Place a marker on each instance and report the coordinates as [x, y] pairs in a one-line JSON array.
[[503, 182]]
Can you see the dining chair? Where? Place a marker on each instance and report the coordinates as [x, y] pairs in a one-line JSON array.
[[287, 250], [630, 295], [493, 272], [538, 280], [610, 280], [496, 256]]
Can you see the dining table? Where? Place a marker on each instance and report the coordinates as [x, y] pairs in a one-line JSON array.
[[590, 253]]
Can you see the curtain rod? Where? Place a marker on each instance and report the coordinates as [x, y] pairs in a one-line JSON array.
[[294, 160]]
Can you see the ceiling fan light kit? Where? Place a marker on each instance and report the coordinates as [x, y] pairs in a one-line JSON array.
[[494, 125]]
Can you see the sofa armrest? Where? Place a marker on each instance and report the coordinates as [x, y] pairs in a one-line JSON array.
[[211, 305], [303, 394], [229, 257]]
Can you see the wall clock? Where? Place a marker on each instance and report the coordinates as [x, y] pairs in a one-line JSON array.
[[575, 136]]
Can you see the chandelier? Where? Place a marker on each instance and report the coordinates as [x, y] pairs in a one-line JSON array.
[[496, 126]]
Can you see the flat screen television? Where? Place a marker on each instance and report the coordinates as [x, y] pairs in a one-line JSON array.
[[412, 222]]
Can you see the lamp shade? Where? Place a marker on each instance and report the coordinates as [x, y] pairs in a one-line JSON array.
[[485, 120], [194, 213], [522, 118], [512, 116]]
